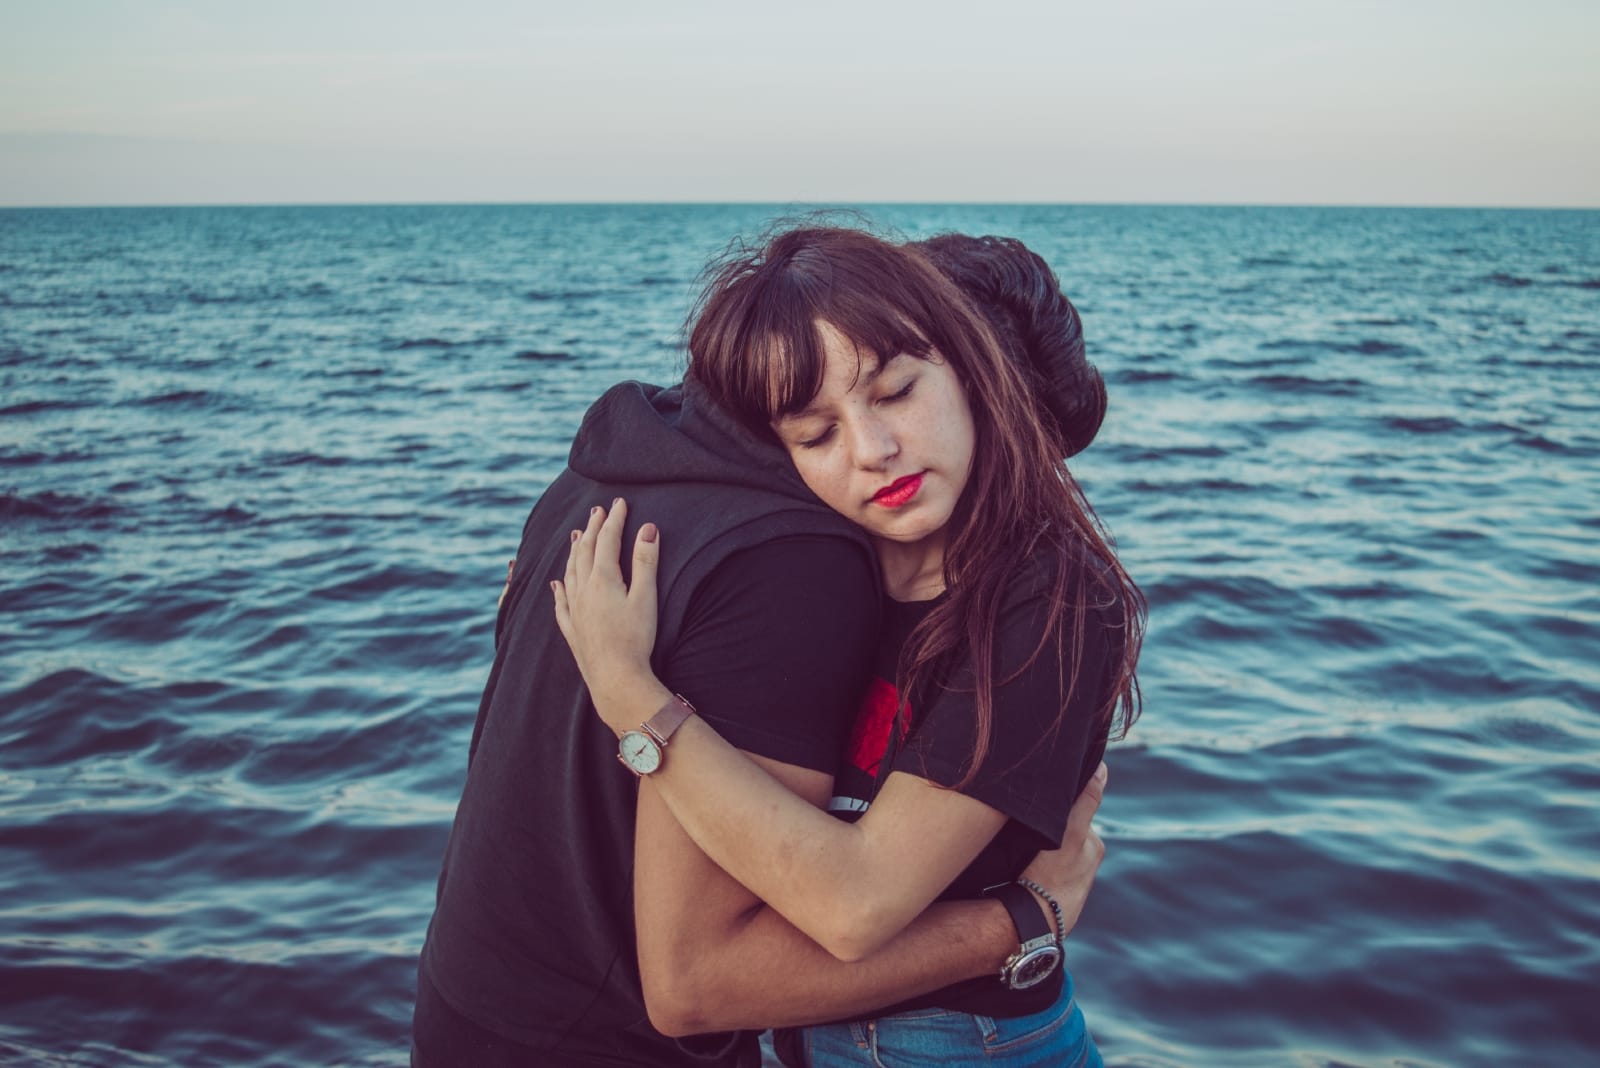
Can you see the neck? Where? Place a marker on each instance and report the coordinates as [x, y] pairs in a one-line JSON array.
[[914, 571]]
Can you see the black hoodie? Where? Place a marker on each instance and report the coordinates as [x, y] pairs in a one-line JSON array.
[[532, 938]]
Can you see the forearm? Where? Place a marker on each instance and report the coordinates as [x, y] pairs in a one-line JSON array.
[[766, 973], [712, 957], [809, 866]]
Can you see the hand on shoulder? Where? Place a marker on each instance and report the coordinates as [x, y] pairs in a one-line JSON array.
[[609, 625]]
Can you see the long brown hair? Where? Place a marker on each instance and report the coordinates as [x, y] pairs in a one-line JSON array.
[[755, 349]]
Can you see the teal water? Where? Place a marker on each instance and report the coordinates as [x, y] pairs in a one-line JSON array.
[[261, 468]]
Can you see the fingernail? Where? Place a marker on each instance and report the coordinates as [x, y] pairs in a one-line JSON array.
[[554, 586], [647, 533], [595, 510], [576, 534], [615, 501]]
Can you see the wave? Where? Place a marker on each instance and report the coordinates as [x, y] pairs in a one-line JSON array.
[[1423, 424], [309, 459], [328, 998], [1338, 387], [1363, 347], [183, 398], [34, 407], [421, 343], [57, 507], [564, 296]]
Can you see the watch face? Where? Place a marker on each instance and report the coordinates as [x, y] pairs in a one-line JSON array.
[[1035, 967], [639, 751]]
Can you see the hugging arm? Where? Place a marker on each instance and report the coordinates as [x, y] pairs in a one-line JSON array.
[[775, 646], [713, 957], [853, 888]]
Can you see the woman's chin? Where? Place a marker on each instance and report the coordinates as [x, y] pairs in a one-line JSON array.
[[908, 537]]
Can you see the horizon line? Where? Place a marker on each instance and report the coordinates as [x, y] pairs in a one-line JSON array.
[[793, 203]]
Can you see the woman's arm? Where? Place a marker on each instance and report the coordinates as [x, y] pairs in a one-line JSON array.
[[851, 887], [776, 649], [714, 958]]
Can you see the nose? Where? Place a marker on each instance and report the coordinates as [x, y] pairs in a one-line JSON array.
[[874, 444]]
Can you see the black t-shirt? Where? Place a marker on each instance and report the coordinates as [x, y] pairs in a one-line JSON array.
[[533, 940], [776, 646], [1033, 772]]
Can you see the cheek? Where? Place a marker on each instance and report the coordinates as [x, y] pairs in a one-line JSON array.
[[963, 428], [817, 474]]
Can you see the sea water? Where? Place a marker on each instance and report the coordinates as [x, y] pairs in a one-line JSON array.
[[261, 470]]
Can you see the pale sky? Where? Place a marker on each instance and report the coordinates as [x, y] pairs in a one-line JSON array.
[[1409, 102]]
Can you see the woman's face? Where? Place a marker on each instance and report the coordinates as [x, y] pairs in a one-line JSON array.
[[886, 445]]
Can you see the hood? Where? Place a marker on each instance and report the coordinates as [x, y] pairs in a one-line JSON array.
[[637, 432]]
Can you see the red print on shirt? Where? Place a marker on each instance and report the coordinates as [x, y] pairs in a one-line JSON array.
[[869, 737]]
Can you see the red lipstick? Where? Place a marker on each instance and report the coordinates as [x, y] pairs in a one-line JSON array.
[[899, 492]]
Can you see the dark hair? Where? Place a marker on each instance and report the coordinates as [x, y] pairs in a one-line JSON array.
[[755, 349], [1037, 326]]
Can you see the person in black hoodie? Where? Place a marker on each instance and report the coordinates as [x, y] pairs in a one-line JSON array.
[[560, 870], [1008, 656]]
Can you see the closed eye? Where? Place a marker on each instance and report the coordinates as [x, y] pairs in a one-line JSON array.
[[900, 394], [820, 439]]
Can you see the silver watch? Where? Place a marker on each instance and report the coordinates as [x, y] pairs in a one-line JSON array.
[[1038, 952]]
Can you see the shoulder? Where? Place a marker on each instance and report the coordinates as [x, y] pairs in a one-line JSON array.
[[830, 575], [1058, 575], [777, 647]]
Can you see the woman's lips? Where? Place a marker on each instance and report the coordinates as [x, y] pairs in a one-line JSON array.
[[899, 492]]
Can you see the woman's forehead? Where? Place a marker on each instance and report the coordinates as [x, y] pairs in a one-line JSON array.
[[841, 351], [828, 356], [848, 370]]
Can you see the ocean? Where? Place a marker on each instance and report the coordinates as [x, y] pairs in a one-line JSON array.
[[261, 470]]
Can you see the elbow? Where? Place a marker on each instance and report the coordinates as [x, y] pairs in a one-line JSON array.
[[673, 1022], [848, 951], [689, 1000], [857, 932], [852, 947], [692, 984], [675, 1009]]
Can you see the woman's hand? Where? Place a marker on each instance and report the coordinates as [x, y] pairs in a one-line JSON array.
[[1068, 872], [609, 625]]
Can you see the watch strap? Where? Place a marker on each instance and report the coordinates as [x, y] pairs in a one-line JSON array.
[[1026, 915], [668, 718]]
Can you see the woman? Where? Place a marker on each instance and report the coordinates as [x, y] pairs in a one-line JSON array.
[[1011, 637]]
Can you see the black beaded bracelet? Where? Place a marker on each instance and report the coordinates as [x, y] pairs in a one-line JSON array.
[[1061, 926]]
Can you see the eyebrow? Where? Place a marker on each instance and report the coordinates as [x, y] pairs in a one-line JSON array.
[[868, 378]]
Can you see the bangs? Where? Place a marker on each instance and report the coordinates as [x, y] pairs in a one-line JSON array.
[[792, 366], [757, 345]]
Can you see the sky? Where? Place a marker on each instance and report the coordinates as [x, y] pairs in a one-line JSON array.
[[1404, 102]]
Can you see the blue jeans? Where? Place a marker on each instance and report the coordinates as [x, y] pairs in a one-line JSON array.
[[1054, 1038]]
